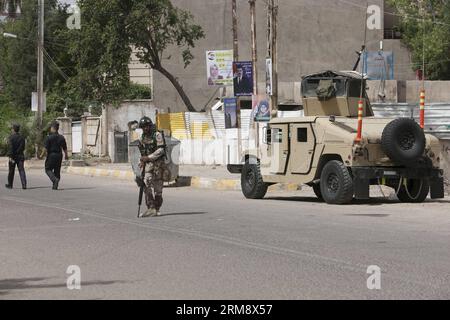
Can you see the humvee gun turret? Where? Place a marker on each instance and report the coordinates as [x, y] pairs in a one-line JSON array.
[[319, 149]]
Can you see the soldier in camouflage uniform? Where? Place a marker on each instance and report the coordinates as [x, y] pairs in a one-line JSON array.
[[153, 155]]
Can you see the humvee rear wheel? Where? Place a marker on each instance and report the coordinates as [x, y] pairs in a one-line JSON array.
[[253, 186], [336, 183], [416, 191]]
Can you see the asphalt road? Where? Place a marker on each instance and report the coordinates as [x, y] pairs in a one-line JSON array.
[[216, 245]]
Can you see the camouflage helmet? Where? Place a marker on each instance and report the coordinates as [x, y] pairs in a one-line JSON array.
[[145, 122]]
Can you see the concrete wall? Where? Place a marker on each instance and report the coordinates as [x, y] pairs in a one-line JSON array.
[[119, 117], [313, 36]]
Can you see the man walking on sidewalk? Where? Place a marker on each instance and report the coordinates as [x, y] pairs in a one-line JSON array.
[[16, 148], [54, 145]]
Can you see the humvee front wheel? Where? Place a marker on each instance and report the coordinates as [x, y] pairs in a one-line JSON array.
[[415, 191], [336, 183], [253, 186], [316, 188]]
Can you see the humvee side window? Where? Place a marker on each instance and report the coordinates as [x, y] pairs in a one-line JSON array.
[[354, 90], [311, 86], [277, 135], [302, 135], [267, 135]]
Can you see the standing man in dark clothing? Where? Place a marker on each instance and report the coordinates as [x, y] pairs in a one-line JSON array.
[[54, 145], [16, 148]]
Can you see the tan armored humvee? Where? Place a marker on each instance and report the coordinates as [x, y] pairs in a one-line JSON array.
[[319, 149]]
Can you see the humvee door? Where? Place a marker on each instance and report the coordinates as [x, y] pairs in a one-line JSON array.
[[278, 149], [303, 142]]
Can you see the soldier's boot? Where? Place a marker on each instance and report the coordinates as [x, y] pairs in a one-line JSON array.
[[149, 213], [158, 204]]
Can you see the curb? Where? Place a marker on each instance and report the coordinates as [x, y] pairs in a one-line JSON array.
[[101, 173], [193, 182]]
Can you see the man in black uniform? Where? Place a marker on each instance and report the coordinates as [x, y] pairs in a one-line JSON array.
[[16, 148], [54, 145]]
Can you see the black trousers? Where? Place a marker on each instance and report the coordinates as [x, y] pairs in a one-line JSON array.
[[53, 166], [12, 170]]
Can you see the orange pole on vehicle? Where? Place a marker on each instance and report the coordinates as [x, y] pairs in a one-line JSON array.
[[360, 121], [422, 108]]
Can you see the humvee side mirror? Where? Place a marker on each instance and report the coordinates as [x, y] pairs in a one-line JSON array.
[[267, 135]]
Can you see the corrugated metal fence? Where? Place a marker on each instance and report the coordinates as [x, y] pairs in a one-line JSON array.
[[437, 116]]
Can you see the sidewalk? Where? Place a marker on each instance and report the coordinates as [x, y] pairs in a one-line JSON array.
[[200, 177]]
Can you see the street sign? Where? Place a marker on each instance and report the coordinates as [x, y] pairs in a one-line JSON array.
[[34, 102]]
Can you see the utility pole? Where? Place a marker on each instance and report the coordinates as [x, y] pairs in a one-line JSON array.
[[272, 21], [40, 73], [236, 58], [235, 31], [255, 131], [254, 47]]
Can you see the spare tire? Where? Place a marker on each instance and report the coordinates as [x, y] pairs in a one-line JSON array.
[[403, 141]]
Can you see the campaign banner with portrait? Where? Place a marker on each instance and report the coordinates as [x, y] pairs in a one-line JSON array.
[[230, 111], [261, 108], [379, 65], [243, 78], [219, 67]]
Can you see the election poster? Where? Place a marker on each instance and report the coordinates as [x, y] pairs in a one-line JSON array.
[[243, 78], [219, 67], [230, 110], [261, 108]]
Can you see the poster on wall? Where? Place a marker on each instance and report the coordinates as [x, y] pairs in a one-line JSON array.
[[243, 78], [261, 108], [379, 65], [269, 81], [230, 111], [219, 67]]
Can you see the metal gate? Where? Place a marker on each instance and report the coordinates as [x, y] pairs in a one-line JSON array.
[[121, 146]]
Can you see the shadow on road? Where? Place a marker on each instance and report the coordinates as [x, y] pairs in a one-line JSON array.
[[9, 285], [75, 189], [37, 188], [375, 201], [369, 215], [182, 214], [370, 202]]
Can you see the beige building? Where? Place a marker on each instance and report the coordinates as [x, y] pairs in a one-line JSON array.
[[312, 36]]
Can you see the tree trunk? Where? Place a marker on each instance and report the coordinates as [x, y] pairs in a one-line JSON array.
[[178, 87]]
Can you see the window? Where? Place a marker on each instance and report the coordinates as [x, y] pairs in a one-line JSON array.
[[302, 135], [277, 135], [311, 85]]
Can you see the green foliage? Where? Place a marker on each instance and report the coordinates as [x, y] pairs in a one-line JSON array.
[[155, 25], [427, 23], [138, 92], [93, 61], [100, 52], [18, 63]]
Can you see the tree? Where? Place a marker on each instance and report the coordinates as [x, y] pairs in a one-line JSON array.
[[426, 22], [155, 25], [18, 63], [100, 52]]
